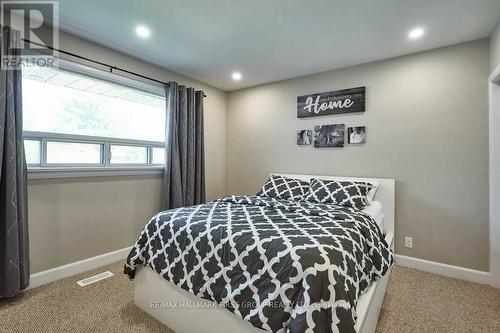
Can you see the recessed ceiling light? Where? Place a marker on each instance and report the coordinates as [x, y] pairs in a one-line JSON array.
[[236, 76], [416, 33], [142, 31]]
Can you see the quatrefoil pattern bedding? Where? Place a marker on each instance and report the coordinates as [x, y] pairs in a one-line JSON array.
[[282, 265], [284, 188], [343, 193]]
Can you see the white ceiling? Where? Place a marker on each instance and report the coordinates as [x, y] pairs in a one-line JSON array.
[[271, 40]]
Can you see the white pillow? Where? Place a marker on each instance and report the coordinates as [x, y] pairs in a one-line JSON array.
[[371, 194]]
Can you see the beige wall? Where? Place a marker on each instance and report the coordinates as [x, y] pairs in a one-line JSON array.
[[426, 115], [74, 219], [495, 47], [427, 120], [77, 218]]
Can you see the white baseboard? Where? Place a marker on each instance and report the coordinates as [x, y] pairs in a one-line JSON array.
[[61, 272], [438, 268]]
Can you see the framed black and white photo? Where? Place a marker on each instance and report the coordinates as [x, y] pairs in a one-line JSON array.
[[304, 137], [356, 135], [329, 136], [331, 102]]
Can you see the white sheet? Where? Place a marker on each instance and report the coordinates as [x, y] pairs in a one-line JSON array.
[[376, 211]]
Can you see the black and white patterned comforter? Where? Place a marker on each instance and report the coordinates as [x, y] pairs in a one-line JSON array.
[[282, 265]]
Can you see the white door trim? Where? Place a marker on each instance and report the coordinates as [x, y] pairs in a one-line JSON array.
[[494, 174]]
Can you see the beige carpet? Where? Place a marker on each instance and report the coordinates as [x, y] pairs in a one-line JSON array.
[[64, 306], [415, 302]]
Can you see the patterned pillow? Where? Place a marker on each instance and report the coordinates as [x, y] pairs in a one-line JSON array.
[[284, 188], [343, 193]]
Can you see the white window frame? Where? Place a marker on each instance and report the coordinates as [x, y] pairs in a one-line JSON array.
[[105, 168]]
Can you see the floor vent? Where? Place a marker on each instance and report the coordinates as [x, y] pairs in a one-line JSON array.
[[95, 278]]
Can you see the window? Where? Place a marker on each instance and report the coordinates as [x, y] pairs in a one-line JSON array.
[[76, 116], [128, 155], [158, 156], [32, 151], [73, 153]]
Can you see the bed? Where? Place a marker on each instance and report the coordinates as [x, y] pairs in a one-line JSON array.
[[173, 287]]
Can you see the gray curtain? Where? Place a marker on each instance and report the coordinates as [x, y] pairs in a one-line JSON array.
[[184, 176], [14, 260]]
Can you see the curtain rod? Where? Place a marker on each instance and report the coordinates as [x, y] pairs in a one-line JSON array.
[[111, 68]]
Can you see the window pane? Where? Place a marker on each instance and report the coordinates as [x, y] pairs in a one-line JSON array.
[[73, 153], [60, 101], [158, 156], [129, 154], [32, 151]]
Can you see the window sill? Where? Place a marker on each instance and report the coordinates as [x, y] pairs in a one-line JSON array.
[[83, 172]]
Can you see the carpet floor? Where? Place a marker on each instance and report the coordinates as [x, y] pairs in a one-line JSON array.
[[415, 302]]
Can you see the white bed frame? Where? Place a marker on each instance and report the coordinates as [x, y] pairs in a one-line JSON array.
[[173, 306]]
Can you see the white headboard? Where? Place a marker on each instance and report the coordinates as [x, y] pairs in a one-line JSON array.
[[386, 194]]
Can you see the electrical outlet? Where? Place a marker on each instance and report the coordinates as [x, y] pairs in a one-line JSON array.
[[409, 242]]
